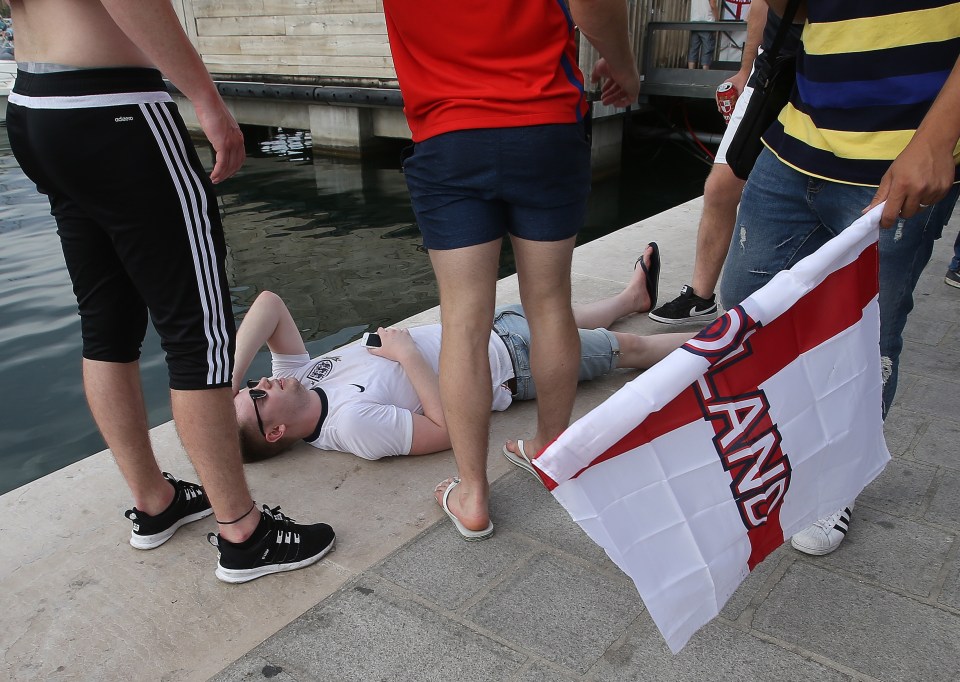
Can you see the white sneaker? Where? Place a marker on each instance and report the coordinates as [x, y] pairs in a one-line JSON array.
[[825, 535]]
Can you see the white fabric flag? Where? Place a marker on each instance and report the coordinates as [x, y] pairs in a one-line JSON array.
[[767, 420]]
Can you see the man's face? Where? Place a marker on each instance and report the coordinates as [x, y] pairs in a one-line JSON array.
[[284, 401]]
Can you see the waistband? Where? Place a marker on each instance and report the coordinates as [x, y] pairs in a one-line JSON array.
[[87, 88]]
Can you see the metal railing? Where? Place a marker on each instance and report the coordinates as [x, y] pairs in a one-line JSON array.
[[663, 63], [659, 34]]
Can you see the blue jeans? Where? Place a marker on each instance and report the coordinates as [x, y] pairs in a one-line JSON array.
[[701, 47], [786, 215], [599, 349], [955, 262]]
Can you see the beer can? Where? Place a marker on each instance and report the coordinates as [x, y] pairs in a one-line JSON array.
[[726, 99]]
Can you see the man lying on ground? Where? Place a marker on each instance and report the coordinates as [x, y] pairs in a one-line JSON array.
[[381, 402]]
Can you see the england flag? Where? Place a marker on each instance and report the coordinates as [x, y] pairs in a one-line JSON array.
[[767, 420]]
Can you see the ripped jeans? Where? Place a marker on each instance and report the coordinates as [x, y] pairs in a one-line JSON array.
[[785, 215]]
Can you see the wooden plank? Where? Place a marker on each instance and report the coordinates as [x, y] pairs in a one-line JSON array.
[[339, 24], [226, 60], [385, 74], [368, 46], [241, 26], [241, 8], [286, 7], [227, 8]]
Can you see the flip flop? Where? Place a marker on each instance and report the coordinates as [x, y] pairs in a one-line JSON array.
[[652, 273], [520, 459], [468, 535]]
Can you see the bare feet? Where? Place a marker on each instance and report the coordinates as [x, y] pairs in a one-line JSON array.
[[469, 505], [531, 447], [637, 288]]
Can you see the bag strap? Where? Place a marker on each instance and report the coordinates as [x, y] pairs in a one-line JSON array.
[[785, 23]]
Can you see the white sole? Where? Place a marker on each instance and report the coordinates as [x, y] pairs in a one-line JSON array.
[[243, 575], [521, 461], [696, 318], [157, 539], [465, 533], [813, 551]]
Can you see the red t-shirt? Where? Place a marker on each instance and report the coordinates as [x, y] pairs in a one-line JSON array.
[[466, 64]]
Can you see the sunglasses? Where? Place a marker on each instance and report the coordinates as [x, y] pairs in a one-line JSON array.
[[255, 395]]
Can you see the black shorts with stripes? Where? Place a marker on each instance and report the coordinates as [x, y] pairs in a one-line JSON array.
[[136, 214]]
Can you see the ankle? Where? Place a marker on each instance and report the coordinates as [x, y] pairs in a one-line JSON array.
[[242, 529], [156, 501]]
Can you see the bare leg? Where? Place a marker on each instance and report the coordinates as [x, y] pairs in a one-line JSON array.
[[467, 279], [115, 397], [633, 299], [643, 352], [207, 424], [721, 196], [543, 269]]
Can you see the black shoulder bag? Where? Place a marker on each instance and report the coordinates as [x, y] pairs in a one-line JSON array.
[[774, 76]]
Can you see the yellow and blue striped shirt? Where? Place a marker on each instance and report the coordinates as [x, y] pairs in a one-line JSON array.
[[867, 74]]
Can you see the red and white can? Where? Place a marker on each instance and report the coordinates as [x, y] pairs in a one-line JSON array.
[[726, 99]]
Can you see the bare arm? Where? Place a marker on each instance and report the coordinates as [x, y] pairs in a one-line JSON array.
[[267, 322], [155, 29], [924, 171], [603, 23], [756, 21], [429, 429]]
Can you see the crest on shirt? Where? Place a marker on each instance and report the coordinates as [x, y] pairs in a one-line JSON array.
[[322, 369]]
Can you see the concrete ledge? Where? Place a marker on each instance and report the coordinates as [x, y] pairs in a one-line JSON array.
[[82, 604]]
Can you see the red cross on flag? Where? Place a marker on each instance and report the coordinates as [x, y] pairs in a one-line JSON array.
[[767, 420]]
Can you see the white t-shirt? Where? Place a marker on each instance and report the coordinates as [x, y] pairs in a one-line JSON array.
[[370, 400], [700, 10]]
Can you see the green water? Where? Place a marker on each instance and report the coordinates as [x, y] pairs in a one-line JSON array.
[[335, 238]]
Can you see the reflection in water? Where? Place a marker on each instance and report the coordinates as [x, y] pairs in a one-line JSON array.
[[336, 238]]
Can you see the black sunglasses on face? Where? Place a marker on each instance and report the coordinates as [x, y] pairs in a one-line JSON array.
[[255, 395]]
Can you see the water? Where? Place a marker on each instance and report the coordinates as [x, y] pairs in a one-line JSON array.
[[335, 238]]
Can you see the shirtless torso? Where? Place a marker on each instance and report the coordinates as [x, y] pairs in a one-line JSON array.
[[105, 33], [72, 32]]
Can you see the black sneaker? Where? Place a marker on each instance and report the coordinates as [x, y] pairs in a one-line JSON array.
[[687, 307], [952, 278], [189, 504], [278, 544]]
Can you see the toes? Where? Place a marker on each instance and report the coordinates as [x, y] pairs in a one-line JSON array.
[[442, 488]]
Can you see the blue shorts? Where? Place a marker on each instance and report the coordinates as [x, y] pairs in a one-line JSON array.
[[471, 187], [599, 349]]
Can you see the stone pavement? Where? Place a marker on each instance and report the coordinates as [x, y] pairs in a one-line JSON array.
[[403, 598], [540, 601]]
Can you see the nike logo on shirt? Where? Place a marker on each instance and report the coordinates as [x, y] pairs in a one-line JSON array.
[[362, 389]]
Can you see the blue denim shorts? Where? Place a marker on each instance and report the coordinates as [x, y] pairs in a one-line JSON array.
[[599, 349], [471, 187]]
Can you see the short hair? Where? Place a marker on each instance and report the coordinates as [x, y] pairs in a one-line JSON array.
[[255, 448]]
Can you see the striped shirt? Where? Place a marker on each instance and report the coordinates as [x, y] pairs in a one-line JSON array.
[[867, 74]]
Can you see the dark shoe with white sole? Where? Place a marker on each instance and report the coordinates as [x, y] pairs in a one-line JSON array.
[[189, 504], [277, 545]]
